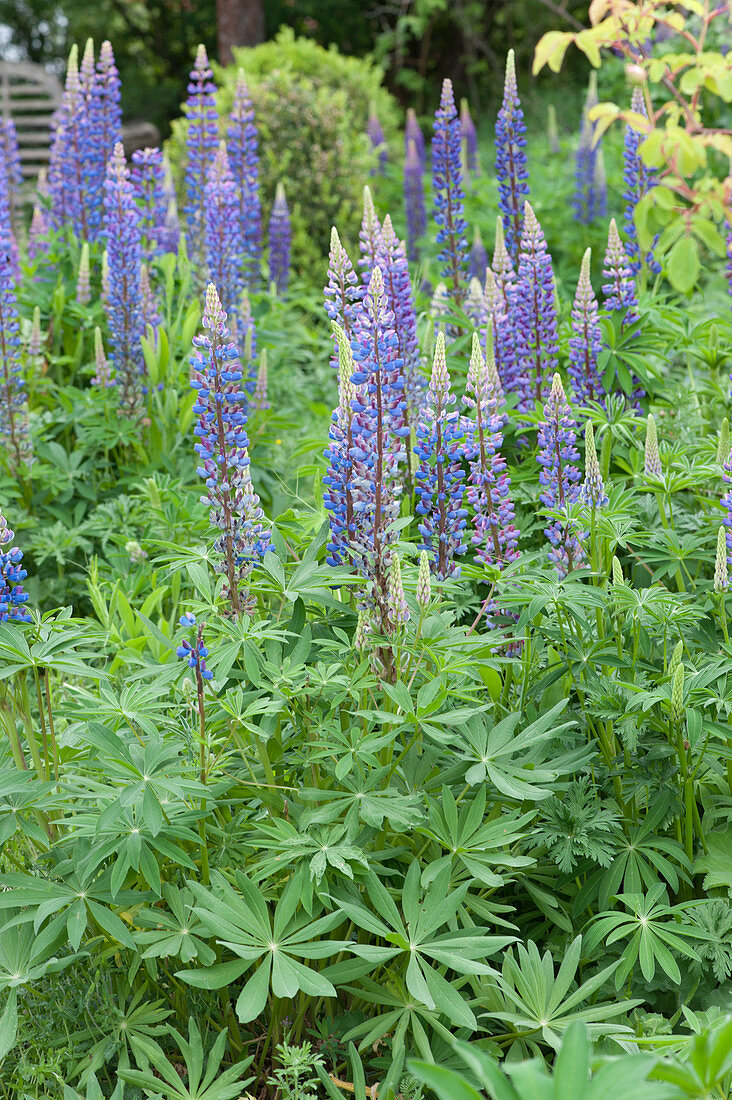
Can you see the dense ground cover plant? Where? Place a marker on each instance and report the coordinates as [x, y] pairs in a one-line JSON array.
[[363, 729]]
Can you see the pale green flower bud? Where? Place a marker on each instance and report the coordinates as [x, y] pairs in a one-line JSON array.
[[723, 447], [424, 580], [652, 457], [676, 658], [677, 695], [720, 565]]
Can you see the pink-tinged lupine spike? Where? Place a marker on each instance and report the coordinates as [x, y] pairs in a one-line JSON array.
[[369, 235], [103, 372], [413, 132]]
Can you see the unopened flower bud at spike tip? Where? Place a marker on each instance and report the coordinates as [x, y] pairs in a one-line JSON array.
[[723, 447], [677, 654], [398, 610], [593, 489], [617, 572], [424, 580], [721, 576], [652, 456], [677, 695]]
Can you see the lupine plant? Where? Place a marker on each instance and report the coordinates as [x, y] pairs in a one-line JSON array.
[[535, 311], [377, 139], [449, 193], [559, 477], [224, 243], [279, 238], [585, 343], [13, 411], [242, 142], [637, 180], [414, 199], [201, 144], [511, 162], [469, 136]]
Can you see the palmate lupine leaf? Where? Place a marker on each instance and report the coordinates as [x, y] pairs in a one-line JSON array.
[[539, 1006], [415, 939], [204, 1078], [240, 920]]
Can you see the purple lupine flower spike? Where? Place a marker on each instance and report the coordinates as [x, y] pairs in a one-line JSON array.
[[148, 178], [12, 574], [202, 140], [413, 132], [637, 181], [10, 154], [338, 478], [584, 200], [511, 165], [194, 653], [14, 435], [280, 236], [392, 260], [440, 480], [343, 291], [223, 241], [123, 294], [585, 343], [68, 172], [619, 287], [414, 200], [379, 429], [496, 536], [243, 147], [216, 376], [369, 235], [729, 259], [83, 289], [559, 477], [469, 136], [375, 134], [478, 257], [105, 130], [449, 194], [535, 312], [727, 505]]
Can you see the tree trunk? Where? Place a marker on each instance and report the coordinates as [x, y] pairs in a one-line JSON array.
[[238, 23]]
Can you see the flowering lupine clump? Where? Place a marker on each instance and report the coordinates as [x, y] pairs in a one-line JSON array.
[[280, 236], [414, 200], [148, 179], [535, 313], [123, 293], [194, 653], [379, 429], [216, 376], [592, 492], [12, 574], [619, 286], [413, 132], [391, 258], [637, 181], [376, 137], [511, 164], [495, 536], [478, 257], [338, 479], [201, 143], [447, 180], [14, 437], [343, 291], [469, 136], [83, 289], [369, 235], [559, 477], [242, 143], [440, 479], [585, 343], [221, 230], [585, 198]]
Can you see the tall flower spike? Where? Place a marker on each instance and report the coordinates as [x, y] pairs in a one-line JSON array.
[[223, 241], [39, 227], [592, 492], [243, 147], [585, 343], [478, 257], [495, 536], [10, 154], [102, 373], [123, 293], [559, 477], [727, 505], [721, 573], [14, 436], [378, 432], [637, 181], [105, 129], [469, 136], [83, 289], [413, 132], [216, 376], [502, 333], [69, 163], [201, 144], [369, 235], [511, 165], [440, 486], [343, 291], [392, 260], [398, 610], [376, 137], [475, 304], [338, 479], [652, 458], [414, 200], [585, 198], [619, 286], [12, 574], [449, 194], [148, 179], [723, 446], [535, 312], [280, 236]]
